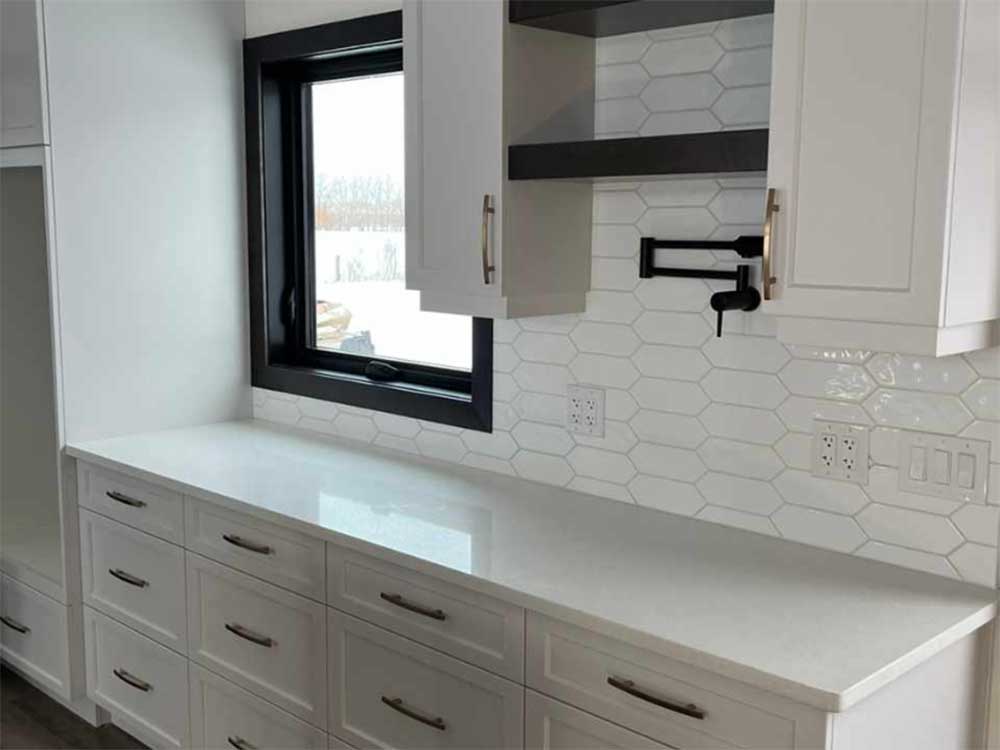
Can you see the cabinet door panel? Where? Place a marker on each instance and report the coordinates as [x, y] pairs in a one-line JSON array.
[[453, 53], [861, 107]]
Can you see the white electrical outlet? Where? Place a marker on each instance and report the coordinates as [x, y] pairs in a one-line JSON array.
[[840, 451], [585, 409]]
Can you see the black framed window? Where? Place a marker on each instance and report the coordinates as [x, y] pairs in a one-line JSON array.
[[330, 315]]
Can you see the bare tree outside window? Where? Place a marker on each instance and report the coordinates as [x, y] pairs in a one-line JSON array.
[[362, 305]]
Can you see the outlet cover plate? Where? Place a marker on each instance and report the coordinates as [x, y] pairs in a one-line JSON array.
[[840, 451], [585, 410]]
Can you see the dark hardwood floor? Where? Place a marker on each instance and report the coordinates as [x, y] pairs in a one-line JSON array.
[[30, 720]]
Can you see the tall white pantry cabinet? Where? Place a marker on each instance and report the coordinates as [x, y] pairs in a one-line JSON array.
[[121, 273]]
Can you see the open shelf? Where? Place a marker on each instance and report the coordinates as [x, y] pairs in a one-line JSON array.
[[597, 18], [690, 153]]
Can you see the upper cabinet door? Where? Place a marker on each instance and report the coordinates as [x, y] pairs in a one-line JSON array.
[[23, 117], [453, 59], [867, 114], [476, 242]]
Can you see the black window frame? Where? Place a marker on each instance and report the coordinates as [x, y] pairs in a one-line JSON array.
[[277, 70]]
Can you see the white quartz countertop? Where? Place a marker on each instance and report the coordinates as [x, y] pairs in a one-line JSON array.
[[821, 628]]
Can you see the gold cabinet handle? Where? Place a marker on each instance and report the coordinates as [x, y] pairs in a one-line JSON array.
[[488, 210], [768, 279]]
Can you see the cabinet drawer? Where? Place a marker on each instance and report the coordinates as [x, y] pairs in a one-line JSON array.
[[647, 692], [551, 725], [266, 639], [479, 629], [276, 554], [224, 715], [140, 504], [142, 683], [389, 692], [135, 578], [33, 635]]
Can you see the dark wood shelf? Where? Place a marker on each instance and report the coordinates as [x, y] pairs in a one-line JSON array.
[[597, 18], [690, 153]]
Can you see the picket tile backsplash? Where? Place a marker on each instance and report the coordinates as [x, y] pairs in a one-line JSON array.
[[718, 429]]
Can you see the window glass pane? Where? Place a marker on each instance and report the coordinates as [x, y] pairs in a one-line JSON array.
[[362, 306]]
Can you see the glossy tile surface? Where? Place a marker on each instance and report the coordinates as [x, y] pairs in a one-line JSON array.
[[681, 403]]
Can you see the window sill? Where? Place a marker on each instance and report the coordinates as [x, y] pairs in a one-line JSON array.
[[405, 399]]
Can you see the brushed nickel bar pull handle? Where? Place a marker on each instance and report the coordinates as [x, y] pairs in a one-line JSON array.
[[121, 575], [135, 682], [238, 541], [399, 601], [125, 499], [14, 625], [240, 744], [396, 704], [627, 686], [768, 279], [488, 210], [249, 635]]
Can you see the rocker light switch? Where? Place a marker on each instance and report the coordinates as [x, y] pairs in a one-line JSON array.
[[943, 466], [918, 463], [966, 471]]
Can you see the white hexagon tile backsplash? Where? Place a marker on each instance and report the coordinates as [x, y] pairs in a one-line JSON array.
[[699, 426]]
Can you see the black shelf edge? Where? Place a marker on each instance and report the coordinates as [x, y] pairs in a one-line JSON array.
[[690, 153], [596, 18]]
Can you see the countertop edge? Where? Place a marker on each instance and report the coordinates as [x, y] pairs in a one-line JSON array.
[[824, 699]]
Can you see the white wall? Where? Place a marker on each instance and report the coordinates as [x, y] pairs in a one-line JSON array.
[[270, 16], [699, 426], [147, 147]]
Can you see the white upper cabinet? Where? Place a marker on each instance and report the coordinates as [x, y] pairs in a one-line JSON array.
[[883, 163], [477, 243], [23, 120]]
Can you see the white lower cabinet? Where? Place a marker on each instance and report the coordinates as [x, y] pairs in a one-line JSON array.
[[153, 509], [143, 684], [33, 635], [135, 578], [476, 628], [399, 659], [389, 692], [284, 557], [671, 702], [224, 715], [551, 725], [270, 641]]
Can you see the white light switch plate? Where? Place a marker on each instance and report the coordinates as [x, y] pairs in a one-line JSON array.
[[840, 451], [955, 468]]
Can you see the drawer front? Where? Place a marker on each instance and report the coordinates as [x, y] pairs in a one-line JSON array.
[[34, 636], [278, 555], [142, 505], [224, 715], [647, 692], [134, 577], [142, 683], [266, 639], [389, 692], [551, 725], [476, 628]]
